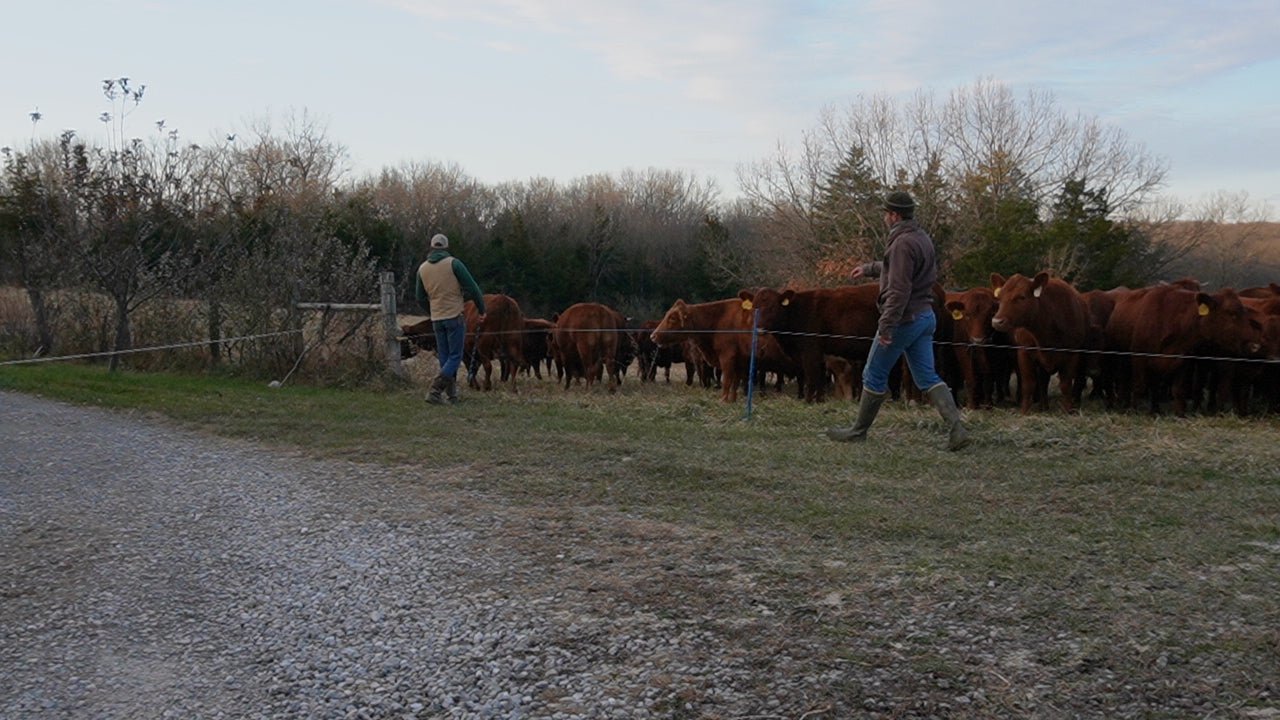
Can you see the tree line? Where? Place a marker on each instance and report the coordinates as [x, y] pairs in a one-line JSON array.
[[249, 225]]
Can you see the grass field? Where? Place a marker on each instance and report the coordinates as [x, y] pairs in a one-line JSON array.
[[1105, 557]]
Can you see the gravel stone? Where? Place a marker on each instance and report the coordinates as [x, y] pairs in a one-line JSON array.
[[150, 571]]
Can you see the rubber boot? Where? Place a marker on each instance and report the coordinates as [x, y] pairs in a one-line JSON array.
[[940, 395], [451, 390], [436, 397], [868, 405]]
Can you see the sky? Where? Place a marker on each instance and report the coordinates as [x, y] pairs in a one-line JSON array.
[[509, 90]]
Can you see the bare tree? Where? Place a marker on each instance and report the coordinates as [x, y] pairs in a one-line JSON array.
[[421, 199], [1223, 240], [1014, 143]]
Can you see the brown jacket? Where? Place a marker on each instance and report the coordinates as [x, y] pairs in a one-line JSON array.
[[907, 275]]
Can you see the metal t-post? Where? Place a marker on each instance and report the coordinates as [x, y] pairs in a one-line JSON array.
[[751, 366]]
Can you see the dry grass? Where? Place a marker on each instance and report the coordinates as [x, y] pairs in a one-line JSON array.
[[341, 348]]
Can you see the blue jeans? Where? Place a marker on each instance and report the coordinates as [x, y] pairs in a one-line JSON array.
[[913, 339], [451, 336]]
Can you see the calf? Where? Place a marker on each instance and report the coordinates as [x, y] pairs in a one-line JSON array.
[[536, 345], [984, 354]]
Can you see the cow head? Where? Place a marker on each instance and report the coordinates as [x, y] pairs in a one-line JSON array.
[[774, 306], [670, 328], [1268, 333], [1019, 298], [415, 337], [972, 312], [1225, 322]]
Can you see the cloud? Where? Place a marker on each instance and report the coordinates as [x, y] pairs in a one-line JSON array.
[[709, 49]]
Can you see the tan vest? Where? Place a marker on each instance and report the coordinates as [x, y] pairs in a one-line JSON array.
[[443, 289]]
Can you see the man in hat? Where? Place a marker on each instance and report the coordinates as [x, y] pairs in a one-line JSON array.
[[442, 287], [907, 323]]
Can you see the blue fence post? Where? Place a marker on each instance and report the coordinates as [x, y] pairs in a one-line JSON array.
[[751, 366]]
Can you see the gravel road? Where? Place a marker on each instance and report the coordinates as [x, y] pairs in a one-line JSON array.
[[147, 571]]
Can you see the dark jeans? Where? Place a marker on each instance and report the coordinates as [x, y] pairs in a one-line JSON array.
[[451, 336], [913, 339]]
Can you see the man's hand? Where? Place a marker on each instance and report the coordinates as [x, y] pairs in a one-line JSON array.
[[482, 320], [856, 272]]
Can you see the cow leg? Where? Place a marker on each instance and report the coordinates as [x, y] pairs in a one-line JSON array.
[[1067, 383], [1180, 388], [614, 372], [728, 382], [1028, 371], [814, 369], [1071, 384], [965, 356]]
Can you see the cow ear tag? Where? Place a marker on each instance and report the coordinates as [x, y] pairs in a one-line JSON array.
[[996, 292], [786, 302], [957, 315], [746, 305], [1203, 310], [1037, 292]]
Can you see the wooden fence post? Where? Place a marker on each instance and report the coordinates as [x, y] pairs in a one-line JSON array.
[[389, 324]]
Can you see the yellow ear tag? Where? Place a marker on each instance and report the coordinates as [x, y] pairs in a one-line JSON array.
[[957, 315], [746, 305], [786, 302], [996, 292], [1203, 310]]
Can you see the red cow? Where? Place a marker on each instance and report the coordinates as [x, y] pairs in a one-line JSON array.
[[417, 336], [1165, 326], [586, 340], [501, 339], [721, 332], [810, 324], [654, 357], [1049, 322], [1262, 292], [1262, 379], [1103, 367], [844, 377], [536, 345], [696, 364], [985, 357]]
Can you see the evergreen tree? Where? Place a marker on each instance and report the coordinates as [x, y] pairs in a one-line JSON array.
[[996, 222], [1099, 252]]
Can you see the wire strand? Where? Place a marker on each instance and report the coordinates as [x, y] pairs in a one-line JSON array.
[[130, 351]]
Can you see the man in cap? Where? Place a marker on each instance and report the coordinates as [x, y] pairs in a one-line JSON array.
[[907, 323], [442, 287]]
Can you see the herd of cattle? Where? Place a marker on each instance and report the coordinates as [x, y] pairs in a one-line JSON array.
[[1178, 341]]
